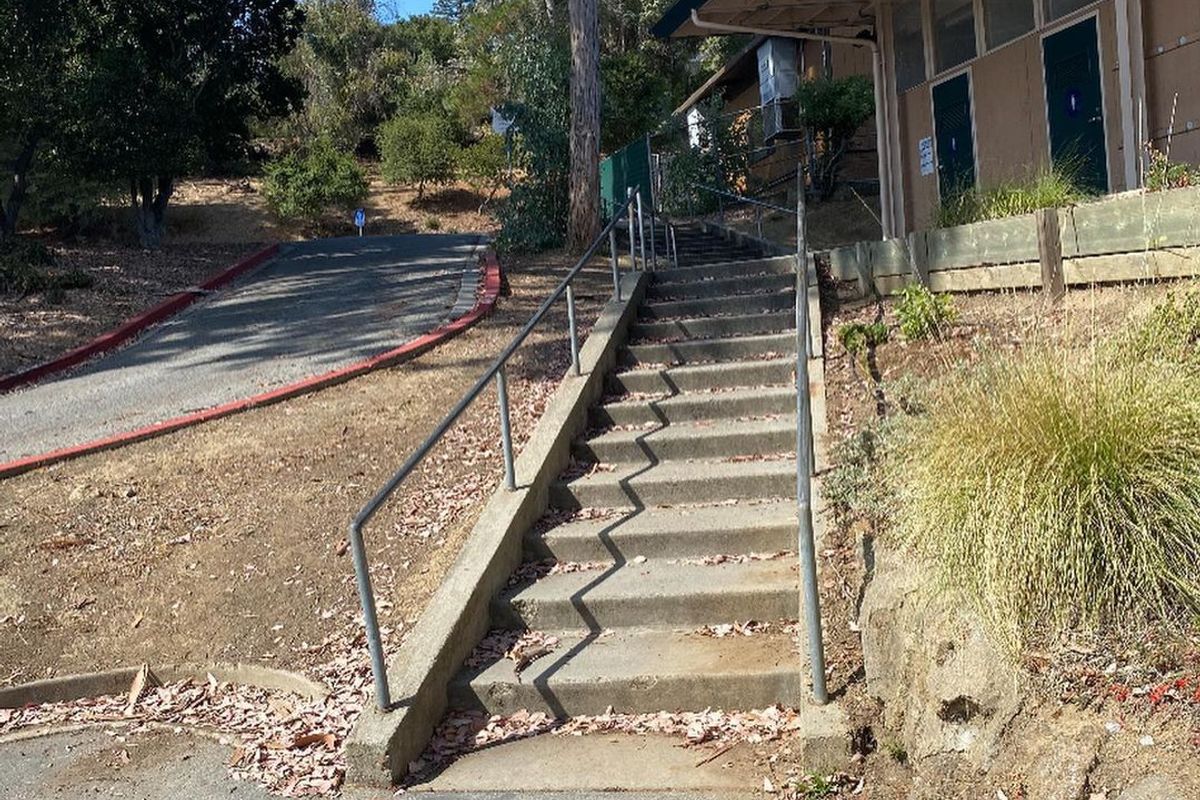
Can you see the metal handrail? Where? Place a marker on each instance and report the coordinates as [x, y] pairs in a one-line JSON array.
[[496, 372], [741, 198]]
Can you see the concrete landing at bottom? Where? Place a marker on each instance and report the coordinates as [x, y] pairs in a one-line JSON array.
[[600, 762]]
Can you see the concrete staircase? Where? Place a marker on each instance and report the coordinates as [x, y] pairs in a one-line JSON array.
[[691, 456], [697, 245]]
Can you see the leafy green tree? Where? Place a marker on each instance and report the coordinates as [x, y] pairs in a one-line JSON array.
[[634, 95], [834, 109], [484, 166], [304, 184], [417, 149], [171, 88]]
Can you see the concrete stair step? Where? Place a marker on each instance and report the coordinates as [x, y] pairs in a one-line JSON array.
[[699, 439], [709, 350], [739, 305], [704, 377], [653, 593], [671, 533], [721, 287], [779, 265], [714, 327], [637, 671], [675, 482], [697, 405]]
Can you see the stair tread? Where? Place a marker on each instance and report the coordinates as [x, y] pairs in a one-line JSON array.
[[699, 370], [704, 328], [680, 352], [671, 520], [690, 397], [682, 472], [683, 275], [700, 429]]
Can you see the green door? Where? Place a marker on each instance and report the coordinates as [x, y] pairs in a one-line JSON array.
[[955, 139], [1074, 104]]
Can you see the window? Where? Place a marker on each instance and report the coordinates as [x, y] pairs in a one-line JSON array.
[[953, 32], [1005, 20], [909, 34], [1060, 8]]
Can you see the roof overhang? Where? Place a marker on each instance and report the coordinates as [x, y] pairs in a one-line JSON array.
[[771, 14]]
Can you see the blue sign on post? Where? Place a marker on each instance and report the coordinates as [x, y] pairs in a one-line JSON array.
[[360, 220]]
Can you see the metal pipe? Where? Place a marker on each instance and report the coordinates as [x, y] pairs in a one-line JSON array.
[[674, 249], [641, 228], [881, 138], [571, 327], [612, 255], [361, 567], [510, 471], [629, 212], [811, 605]]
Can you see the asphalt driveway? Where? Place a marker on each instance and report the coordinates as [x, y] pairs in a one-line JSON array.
[[317, 307]]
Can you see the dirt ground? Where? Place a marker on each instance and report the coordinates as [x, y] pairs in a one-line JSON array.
[[225, 542], [211, 224]]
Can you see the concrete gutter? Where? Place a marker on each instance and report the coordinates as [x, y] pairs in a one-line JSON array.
[[117, 681], [382, 744]]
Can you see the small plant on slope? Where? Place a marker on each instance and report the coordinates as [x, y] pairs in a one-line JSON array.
[[859, 337], [304, 184], [1054, 188], [1055, 491], [1171, 332], [922, 313]]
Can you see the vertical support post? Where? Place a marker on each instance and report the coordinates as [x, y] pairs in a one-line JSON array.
[[510, 478], [758, 220], [641, 227], [629, 216], [612, 254], [674, 248], [1050, 253], [366, 598], [811, 604], [573, 330]]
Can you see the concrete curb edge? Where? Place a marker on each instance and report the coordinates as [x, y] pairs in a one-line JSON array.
[[484, 304]]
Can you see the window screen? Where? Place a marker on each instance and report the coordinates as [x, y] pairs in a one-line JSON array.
[[910, 44], [1005, 20], [1060, 8], [953, 32]]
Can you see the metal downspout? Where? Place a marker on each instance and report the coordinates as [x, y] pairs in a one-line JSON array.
[[881, 116]]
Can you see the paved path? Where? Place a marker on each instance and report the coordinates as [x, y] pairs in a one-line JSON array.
[[317, 307]]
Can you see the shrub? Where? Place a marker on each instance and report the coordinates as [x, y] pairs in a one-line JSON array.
[[1056, 491], [1163, 173], [859, 337], [922, 313], [833, 109], [855, 488], [21, 266], [533, 218], [483, 165], [306, 183], [1053, 188], [1171, 331], [417, 148]]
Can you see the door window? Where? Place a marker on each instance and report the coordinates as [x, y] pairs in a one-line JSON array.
[[954, 135], [1075, 104]]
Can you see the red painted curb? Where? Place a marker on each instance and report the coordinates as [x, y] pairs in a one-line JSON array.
[[132, 327], [484, 304]]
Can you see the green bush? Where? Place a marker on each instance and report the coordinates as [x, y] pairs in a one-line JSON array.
[[922, 313], [1171, 331], [22, 263], [834, 109], [533, 218], [305, 184], [855, 488], [417, 148], [859, 337], [484, 165], [1059, 490], [1163, 173], [1054, 188]]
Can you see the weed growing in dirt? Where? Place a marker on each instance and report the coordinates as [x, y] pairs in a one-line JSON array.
[[896, 750], [855, 488], [1163, 173], [922, 313], [22, 271], [859, 337], [1054, 188], [1171, 332], [1059, 490], [433, 224]]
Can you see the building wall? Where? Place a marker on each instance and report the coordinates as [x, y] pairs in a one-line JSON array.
[[1171, 38], [915, 114]]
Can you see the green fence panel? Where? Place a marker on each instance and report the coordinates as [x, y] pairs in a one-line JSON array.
[[629, 166]]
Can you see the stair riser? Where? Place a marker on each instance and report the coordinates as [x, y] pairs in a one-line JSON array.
[[714, 327], [611, 494], [695, 408], [736, 269], [740, 305], [750, 284], [709, 350], [709, 446], [750, 373], [640, 695], [663, 545], [633, 612]]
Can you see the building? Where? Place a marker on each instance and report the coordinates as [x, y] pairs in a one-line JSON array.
[[974, 92]]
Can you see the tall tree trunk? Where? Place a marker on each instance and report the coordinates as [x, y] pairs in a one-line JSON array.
[[583, 223], [149, 197], [11, 208]]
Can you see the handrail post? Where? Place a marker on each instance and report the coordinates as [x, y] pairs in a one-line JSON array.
[[632, 240], [653, 239], [571, 326], [641, 228], [510, 477], [804, 460], [612, 253], [674, 248], [366, 598]]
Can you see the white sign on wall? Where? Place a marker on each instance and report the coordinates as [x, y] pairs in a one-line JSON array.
[[925, 149]]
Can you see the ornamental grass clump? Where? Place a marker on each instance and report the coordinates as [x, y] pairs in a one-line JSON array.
[[1058, 491]]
